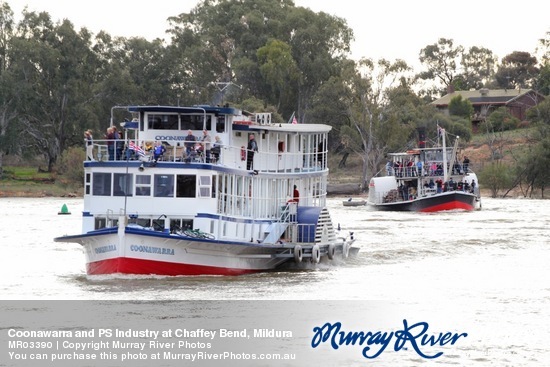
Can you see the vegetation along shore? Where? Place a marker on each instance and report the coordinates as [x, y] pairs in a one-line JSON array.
[[57, 82]]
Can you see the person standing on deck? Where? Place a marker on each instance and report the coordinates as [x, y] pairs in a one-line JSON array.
[[216, 149], [465, 164], [296, 195], [189, 142], [207, 143], [252, 148], [110, 136], [89, 144]]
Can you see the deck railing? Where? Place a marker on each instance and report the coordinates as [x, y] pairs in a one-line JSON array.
[[231, 156]]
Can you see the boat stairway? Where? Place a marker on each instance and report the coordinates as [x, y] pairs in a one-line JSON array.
[[275, 231]]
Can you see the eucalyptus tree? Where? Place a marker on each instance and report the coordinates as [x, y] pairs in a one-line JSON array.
[[279, 70], [478, 68], [517, 70], [441, 60], [54, 68], [537, 159], [358, 103], [237, 42], [7, 84], [319, 42], [452, 67]]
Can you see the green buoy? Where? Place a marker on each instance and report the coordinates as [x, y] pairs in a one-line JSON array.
[[64, 210]]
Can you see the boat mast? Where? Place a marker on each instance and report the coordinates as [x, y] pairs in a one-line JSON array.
[[445, 168]]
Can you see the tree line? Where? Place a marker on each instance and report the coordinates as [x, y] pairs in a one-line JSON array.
[[259, 55]]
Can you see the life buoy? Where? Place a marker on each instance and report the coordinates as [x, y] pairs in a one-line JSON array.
[[330, 251], [243, 153], [298, 254], [281, 146], [315, 254], [345, 250]]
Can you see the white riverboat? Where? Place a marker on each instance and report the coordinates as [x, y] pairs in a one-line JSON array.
[[426, 179], [216, 210]]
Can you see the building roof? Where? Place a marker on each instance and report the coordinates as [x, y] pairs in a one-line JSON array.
[[484, 96]]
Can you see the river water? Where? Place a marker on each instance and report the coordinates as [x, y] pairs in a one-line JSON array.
[[484, 272]]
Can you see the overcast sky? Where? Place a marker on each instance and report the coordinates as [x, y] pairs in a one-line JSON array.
[[385, 28]]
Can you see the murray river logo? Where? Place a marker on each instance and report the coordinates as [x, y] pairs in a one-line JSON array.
[[374, 343]]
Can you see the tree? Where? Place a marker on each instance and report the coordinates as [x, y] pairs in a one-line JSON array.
[[357, 104], [54, 69], [221, 42], [278, 69], [542, 81], [441, 60], [478, 66], [495, 176], [544, 49], [7, 84], [461, 107], [517, 70]]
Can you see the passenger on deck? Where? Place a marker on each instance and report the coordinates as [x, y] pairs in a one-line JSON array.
[[452, 184], [419, 167], [206, 144], [439, 185], [159, 151], [389, 168], [433, 169], [465, 164], [89, 144], [296, 195], [216, 149], [251, 149], [190, 140], [110, 137], [119, 143]]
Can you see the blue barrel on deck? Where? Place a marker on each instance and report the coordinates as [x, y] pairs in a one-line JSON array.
[[308, 216]]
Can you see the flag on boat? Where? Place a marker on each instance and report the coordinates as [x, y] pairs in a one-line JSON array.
[[294, 122], [440, 131], [136, 148], [292, 118]]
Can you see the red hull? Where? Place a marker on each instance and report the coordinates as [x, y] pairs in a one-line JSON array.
[[125, 265], [452, 205], [452, 200]]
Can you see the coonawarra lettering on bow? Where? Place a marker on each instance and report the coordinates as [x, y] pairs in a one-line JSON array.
[[416, 336]]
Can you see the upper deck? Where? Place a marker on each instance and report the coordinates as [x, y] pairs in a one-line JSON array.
[[281, 147]]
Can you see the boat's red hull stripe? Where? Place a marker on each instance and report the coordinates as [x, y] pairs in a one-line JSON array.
[[451, 205], [125, 265]]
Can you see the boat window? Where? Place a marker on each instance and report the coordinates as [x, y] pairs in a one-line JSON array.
[[162, 122], [143, 185], [205, 186], [101, 184], [100, 222], [220, 124], [144, 222], [164, 186], [195, 122], [213, 186], [123, 184], [186, 186], [180, 224], [88, 183]]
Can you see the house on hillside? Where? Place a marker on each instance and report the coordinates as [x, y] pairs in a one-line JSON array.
[[485, 101]]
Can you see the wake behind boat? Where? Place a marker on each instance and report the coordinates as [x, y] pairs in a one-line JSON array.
[[426, 180], [170, 200]]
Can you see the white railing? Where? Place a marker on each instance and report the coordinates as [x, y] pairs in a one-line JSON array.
[[231, 156]]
